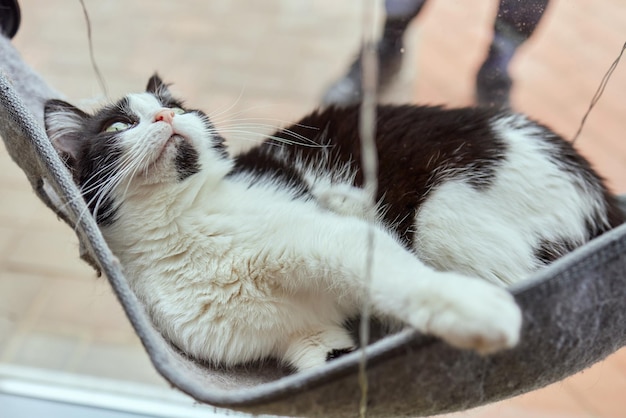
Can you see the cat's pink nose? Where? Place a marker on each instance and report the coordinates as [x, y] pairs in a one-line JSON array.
[[165, 115]]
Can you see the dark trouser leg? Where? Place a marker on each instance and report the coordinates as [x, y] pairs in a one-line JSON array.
[[515, 23], [9, 17], [399, 13]]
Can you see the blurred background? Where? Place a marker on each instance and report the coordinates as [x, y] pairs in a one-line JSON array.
[[255, 66]]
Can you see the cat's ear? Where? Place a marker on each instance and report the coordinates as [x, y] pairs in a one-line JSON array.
[[63, 123], [157, 87]]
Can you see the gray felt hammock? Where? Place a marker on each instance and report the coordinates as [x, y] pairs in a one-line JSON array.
[[574, 315]]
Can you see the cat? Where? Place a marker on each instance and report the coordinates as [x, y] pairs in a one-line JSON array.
[[263, 254]]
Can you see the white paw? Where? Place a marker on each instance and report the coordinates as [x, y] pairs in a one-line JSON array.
[[345, 200], [314, 348], [469, 313]]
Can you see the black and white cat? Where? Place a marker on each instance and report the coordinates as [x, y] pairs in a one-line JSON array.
[[264, 254]]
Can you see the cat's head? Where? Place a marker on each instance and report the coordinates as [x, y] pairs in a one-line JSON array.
[[145, 140]]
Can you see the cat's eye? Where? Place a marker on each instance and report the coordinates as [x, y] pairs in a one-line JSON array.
[[178, 110], [118, 126]]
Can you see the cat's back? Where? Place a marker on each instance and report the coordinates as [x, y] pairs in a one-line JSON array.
[[465, 187]]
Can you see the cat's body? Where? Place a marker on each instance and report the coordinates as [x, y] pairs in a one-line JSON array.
[[264, 255]]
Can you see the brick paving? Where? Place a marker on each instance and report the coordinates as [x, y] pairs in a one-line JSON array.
[[264, 64]]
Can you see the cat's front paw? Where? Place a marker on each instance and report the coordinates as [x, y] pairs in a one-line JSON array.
[[470, 313], [314, 348]]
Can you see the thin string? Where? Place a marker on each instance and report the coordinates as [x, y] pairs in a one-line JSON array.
[[91, 54], [599, 92], [369, 163]]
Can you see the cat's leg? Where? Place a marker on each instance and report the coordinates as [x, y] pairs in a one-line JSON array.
[[312, 348], [466, 312]]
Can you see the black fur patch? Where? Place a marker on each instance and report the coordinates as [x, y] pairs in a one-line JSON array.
[[100, 159], [96, 170], [264, 162], [186, 161], [418, 147], [96, 159], [548, 251], [336, 353]]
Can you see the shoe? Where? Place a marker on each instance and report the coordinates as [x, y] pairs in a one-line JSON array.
[[347, 90], [10, 17]]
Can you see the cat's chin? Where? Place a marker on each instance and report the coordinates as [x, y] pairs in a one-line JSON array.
[[172, 141]]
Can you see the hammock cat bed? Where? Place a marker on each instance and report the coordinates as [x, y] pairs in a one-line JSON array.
[[574, 313]]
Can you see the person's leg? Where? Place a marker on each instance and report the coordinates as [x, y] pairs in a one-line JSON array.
[[9, 17], [399, 13], [515, 22]]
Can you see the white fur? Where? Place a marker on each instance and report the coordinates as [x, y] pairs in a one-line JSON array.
[[232, 273]]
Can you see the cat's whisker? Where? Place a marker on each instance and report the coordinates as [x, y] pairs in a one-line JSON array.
[[289, 132], [93, 180], [232, 106], [271, 126], [103, 194], [229, 123], [83, 190], [222, 118], [128, 165], [137, 165], [104, 188], [272, 137], [272, 122], [96, 175]]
